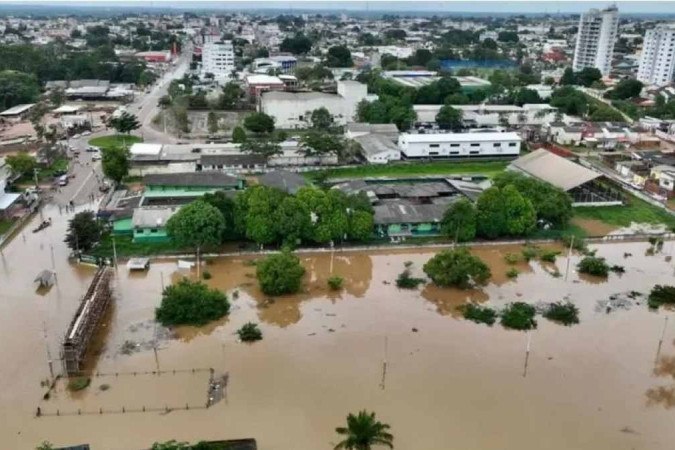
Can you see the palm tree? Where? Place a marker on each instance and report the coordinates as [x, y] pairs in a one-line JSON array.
[[363, 431]]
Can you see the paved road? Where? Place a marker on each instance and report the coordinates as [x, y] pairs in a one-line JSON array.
[[86, 176], [146, 107]]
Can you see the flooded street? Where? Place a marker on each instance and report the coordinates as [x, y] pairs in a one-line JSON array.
[[448, 384]]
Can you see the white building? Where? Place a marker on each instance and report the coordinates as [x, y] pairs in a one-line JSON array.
[[458, 145], [493, 115], [293, 109], [657, 62], [488, 35], [218, 59], [595, 40]]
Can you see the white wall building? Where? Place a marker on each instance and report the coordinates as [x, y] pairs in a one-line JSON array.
[[218, 59], [490, 115], [595, 40], [657, 62], [488, 35], [293, 109], [458, 145]]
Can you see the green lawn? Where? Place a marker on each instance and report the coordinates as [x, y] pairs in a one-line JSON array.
[[636, 210], [487, 168], [5, 225], [125, 247], [114, 140]]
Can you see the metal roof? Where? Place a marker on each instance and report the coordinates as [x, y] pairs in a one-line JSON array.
[[18, 109], [201, 179], [554, 169], [152, 217], [283, 180], [399, 211]]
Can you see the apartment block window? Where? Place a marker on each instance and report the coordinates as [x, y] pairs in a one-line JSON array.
[[475, 145], [512, 144], [434, 145], [474, 152], [433, 153], [454, 145], [498, 144]]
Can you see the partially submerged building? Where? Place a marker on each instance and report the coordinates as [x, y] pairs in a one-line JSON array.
[[411, 207], [586, 187]]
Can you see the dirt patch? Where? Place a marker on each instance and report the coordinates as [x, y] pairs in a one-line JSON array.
[[594, 227]]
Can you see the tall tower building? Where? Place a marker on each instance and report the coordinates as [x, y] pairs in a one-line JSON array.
[[595, 40], [657, 62], [218, 59]]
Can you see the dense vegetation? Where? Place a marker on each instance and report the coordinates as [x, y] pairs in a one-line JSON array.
[[191, 303], [457, 268], [566, 313], [519, 316], [249, 332], [479, 314], [280, 273], [593, 265], [661, 295], [84, 231]]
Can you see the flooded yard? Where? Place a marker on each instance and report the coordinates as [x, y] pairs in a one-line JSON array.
[[449, 383]]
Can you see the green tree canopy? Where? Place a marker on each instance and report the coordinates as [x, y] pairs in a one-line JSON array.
[[626, 89], [316, 143], [259, 122], [196, 225], [459, 221], [225, 205], [230, 96], [292, 221], [321, 119], [238, 135], [449, 118], [504, 212], [191, 303], [457, 268], [363, 431], [552, 205], [17, 88], [83, 231], [264, 147], [21, 163], [298, 44], [115, 163], [125, 123], [339, 56], [280, 273]]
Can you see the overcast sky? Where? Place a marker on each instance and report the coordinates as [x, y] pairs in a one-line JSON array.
[[388, 5]]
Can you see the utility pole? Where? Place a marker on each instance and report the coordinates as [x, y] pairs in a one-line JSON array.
[[569, 254], [114, 251], [50, 363]]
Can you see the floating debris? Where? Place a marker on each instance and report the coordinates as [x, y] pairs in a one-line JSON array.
[[217, 388], [623, 301]]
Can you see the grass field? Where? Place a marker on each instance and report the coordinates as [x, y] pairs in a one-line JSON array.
[[487, 168], [5, 225], [125, 247], [114, 140], [636, 210]]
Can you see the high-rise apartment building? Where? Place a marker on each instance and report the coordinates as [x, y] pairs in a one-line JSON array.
[[595, 40], [218, 59], [657, 62]]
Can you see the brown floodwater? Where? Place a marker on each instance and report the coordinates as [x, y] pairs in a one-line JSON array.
[[606, 383]]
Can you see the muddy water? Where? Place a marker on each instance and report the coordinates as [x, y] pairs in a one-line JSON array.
[[451, 384]]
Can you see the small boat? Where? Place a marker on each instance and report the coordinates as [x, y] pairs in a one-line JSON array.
[[44, 224], [138, 264]]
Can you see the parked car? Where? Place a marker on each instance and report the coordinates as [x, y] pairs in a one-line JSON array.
[[96, 156], [86, 133], [93, 148], [63, 180]]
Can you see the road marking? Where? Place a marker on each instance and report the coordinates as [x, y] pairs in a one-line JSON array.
[[83, 184]]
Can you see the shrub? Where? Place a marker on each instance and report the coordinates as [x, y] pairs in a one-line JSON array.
[[479, 314], [457, 268], [549, 256], [191, 303], [578, 244], [512, 272], [249, 332], [406, 281], [206, 275], [335, 283], [530, 252], [661, 295], [564, 312], [593, 265], [519, 316], [280, 273], [617, 269], [511, 258], [78, 383]]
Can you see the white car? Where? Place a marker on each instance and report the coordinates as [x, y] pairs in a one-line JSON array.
[[86, 133], [96, 156]]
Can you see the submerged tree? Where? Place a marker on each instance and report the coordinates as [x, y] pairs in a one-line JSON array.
[[83, 231], [280, 273], [457, 268], [191, 303], [363, 432]]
